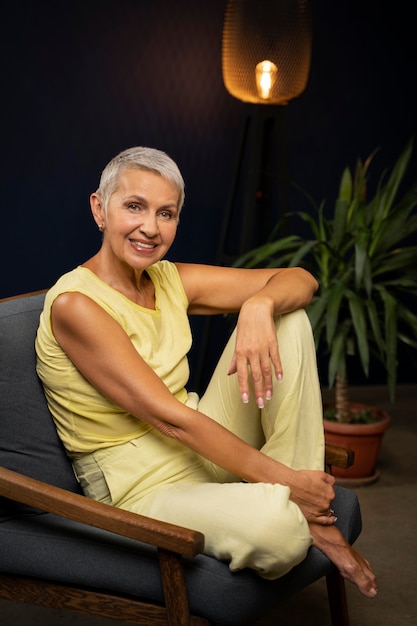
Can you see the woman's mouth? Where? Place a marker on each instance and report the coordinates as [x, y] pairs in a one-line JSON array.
[[142, 245]]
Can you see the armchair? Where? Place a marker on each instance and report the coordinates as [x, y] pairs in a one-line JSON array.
[[60, 549]]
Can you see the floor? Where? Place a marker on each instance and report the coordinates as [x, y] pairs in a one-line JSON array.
[[388, 539]]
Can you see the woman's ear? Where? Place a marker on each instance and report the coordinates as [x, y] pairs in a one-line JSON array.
[[97, 210]]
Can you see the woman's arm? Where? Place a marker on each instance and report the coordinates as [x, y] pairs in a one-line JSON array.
[[258, 295], [214, 289], [104, 354]]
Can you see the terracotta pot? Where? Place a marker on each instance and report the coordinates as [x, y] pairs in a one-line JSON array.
[[365, 441]]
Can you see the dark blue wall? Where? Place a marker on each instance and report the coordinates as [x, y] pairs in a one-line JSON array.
[[85, 79]]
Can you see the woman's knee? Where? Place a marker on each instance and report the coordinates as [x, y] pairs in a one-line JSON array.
[[276, 539], [297, 321]]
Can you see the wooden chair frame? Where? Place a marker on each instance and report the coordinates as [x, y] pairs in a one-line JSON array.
[[173, 542]]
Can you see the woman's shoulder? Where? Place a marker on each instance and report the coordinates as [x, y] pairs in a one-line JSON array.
[[166, 277], [164, 272], [78, 279], [163, 268], [83, 281]]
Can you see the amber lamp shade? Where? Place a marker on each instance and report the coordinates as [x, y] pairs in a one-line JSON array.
[[266, 50]]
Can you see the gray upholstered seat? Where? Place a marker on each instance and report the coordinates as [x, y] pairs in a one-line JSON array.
[[43, 546]]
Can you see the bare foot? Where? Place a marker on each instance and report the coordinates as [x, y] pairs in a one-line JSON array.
[[350, 563]]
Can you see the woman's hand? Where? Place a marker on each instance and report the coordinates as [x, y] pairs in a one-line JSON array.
[[313, 491], [256, 352]]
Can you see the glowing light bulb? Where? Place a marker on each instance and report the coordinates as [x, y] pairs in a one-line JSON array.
[[266, 76]]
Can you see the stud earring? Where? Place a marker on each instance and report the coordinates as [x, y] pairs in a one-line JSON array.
[[101, 227]]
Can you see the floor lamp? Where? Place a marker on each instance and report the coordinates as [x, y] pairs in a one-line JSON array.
[[266, 55]]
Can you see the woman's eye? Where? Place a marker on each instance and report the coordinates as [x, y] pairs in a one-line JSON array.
[[133, 207], [166, 215]]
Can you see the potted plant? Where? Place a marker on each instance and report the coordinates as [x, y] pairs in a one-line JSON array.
[[363, 258]]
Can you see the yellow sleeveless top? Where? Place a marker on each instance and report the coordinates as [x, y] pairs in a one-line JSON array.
[[85, 419]]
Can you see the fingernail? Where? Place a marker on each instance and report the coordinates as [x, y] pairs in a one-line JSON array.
[[245, 397], [260, 403], [268, 394], [279, 377]]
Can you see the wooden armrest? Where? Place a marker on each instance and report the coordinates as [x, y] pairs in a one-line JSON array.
[[79, 508], [24, 295], [340, 457]]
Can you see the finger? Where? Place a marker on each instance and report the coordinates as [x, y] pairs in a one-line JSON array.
[[276, 360], [242, 372], [329, 479], [327, 520], [266, 373], [257, 377]]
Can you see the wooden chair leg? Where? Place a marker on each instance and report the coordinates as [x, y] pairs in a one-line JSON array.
[[337, 599], [173, 583]]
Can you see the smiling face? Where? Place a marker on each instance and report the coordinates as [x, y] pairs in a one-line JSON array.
[[141, 219]]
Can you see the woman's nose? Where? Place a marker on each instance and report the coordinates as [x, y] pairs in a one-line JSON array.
[[149, 225]]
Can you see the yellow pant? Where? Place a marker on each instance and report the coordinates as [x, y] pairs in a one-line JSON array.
[[248, 525]]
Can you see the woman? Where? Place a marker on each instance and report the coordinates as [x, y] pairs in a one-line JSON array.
[[243, 464]]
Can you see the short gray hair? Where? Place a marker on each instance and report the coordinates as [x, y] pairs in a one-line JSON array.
[[140, 158]]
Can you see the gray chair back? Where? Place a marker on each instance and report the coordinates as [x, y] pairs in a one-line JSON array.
[[28, 440]]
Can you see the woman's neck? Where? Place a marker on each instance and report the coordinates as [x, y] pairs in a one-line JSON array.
[[133, 283]]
